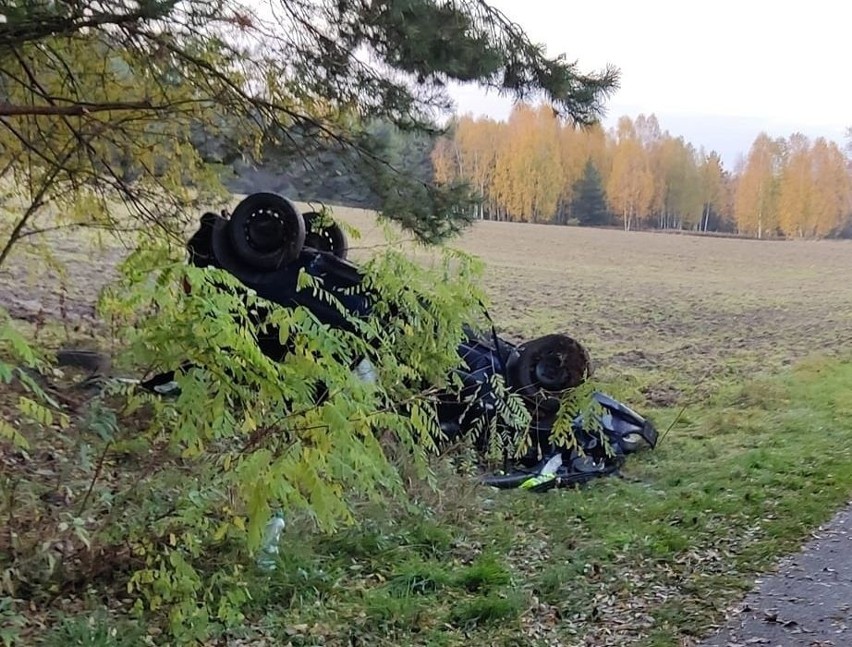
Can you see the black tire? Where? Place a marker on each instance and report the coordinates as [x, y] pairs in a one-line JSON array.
[[548, 366], [98, 366], [93, 361], [266, 231], [330, 238]]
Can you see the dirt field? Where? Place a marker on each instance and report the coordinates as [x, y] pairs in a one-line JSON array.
[[675, 313], [665, 317]]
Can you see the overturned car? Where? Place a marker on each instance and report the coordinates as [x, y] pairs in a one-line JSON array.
[[266, 242]]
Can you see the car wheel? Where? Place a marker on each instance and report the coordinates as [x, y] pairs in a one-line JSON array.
[[266, 231], [549, 365], [329, 238]]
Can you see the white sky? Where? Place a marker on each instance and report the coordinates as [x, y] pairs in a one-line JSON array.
[[716, 72]]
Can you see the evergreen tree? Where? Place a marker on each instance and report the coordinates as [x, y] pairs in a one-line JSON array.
[[589, 205], [300, 77]]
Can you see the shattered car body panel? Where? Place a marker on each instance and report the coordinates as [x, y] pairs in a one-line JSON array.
[[266, 242]]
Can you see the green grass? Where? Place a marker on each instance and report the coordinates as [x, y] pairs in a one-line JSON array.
[[651, 557], [96, 630], [483, 575], [719, 501]]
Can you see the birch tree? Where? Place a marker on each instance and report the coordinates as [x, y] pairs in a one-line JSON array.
[[756, 201], [630, 187]]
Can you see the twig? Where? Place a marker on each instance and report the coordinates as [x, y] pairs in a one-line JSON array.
[[674, 422], [95, 477]]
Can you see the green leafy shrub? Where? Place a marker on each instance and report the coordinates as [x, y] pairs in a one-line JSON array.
[[23, 365], [165, 498], [247, 435]]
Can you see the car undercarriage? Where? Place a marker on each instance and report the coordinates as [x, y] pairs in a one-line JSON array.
[[266, 242]]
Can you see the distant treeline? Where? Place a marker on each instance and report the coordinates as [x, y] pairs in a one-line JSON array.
[[532, 168]]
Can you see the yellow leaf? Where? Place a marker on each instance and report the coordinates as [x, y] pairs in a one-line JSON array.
[[221, 531], [249, 424], [8, 432]]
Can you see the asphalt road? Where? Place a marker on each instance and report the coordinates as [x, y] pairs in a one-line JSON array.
[[805, 602]]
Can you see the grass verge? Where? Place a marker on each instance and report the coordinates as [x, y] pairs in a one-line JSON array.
[[649, 559]]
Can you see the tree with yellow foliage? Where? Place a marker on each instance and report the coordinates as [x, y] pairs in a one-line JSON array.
[[712, 187], [756, 201], [469, 154], [528, 177], [795, 187], [668, 167], [529, 168], [630, 187], [831, 201]]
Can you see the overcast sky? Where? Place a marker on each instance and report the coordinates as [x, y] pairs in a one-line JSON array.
[[715, 72]]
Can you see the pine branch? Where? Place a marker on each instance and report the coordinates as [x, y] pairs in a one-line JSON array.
[[15, 32]]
